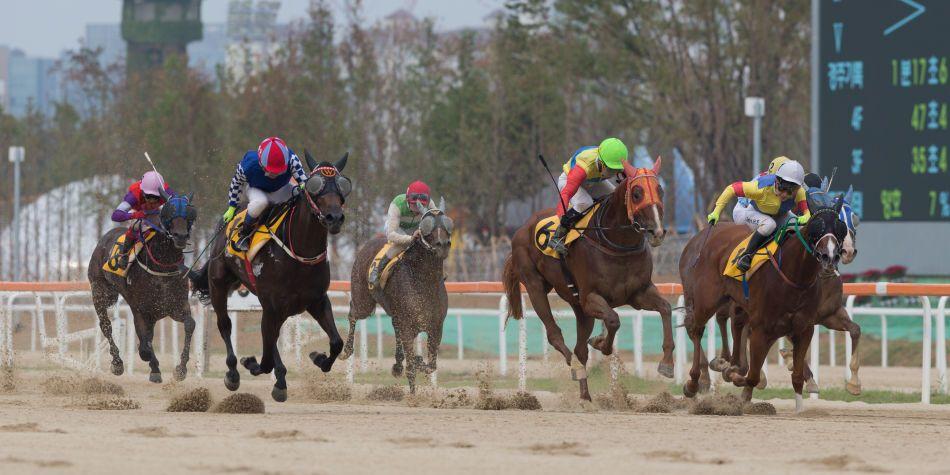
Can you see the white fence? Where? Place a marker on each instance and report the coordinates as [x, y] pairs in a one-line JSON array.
[[300, 330]]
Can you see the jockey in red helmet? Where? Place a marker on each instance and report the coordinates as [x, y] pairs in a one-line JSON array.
[[402, 223], [144, 198], [265, 174]]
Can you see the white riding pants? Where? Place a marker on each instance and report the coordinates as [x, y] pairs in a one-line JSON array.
[[587, 193], [258, 200]]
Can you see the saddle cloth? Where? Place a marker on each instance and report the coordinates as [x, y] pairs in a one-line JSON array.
[[544, 231], [390, 266], [761, 257], [112, 264], [260, 238]]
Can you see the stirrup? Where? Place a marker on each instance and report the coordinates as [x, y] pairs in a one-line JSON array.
[[243, 244], [558, 246], [744, 263]]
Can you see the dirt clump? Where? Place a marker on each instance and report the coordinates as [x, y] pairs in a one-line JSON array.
[[717, 405], [196, 400], [111, 403], [240, 403], [392, 392], [319, 387], [759, 409]]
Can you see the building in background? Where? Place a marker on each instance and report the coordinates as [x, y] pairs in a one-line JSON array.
[[4, 60], [157, 29], [30, 84], [106, 37], [252, 34]]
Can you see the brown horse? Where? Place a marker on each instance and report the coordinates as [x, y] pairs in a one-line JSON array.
[[153, 286], [783, 298], [414, 295], [611, 266], [288, 278]]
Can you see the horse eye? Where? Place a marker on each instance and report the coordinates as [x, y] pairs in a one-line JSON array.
[[659, 191], [314, 184], [637, 193], [427, 225]]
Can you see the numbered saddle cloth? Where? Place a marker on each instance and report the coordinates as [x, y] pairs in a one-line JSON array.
[[761, 257], [261, 235], [112, 263], [390, 266], [544, 231]]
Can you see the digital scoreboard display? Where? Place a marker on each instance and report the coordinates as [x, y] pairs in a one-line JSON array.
[[884, 89]]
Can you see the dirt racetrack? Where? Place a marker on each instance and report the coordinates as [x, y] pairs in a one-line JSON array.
[[58, 433]]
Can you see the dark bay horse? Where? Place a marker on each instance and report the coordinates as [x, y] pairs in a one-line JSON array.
[[288, 279], [153, 287], [414, 296], [611, 266], [783, 298]]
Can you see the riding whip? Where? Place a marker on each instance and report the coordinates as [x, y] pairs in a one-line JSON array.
[[210, 242], [544, 163]]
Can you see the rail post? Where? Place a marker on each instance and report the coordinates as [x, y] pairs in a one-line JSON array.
[[942, 344], [522, 354], [461, 337], [883, 341], [364, 347], [680, 359], [638, 343], [502, 350], [815, 361], [925, 358]]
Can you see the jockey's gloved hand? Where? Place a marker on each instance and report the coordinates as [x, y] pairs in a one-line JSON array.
[[713, 217], [138, 215], [229, 214], [802, 220]]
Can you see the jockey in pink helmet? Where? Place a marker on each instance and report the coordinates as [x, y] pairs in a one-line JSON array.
[[144, 198]]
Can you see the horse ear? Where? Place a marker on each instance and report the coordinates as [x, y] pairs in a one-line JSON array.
[[442, 204], [850, 194], [839, 202], [825, 184], [629, 169], [310, 161], [341, 163], [656, 165], [191, 197]]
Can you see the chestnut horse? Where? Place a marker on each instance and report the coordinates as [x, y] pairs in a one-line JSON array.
[[783, 295], [611, 266], [288, 278]]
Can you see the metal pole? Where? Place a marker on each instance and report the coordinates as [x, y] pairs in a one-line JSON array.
[[16, 217], [815, 82], [756, 144]]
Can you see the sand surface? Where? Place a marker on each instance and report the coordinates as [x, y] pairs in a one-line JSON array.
[[42, 433]]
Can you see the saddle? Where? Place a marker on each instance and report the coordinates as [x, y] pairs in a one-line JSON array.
[[261, 235], [544, 231], [386, 271], [112, 263]]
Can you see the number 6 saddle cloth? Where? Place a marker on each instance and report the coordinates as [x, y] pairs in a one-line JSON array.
[[544, 231]]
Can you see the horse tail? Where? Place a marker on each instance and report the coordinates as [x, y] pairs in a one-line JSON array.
[[512, 289], [200, 285]]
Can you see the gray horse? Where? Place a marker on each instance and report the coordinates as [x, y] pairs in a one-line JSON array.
[[414, 295]]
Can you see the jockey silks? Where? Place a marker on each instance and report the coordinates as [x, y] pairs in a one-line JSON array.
[[249, 172]]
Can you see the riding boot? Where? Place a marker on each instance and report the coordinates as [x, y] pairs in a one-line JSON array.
[[755, 243], [122, 259], [567, 222], [247, 231], [377, 271]]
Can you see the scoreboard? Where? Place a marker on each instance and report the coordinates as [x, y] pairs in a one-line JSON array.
[[883, 101]]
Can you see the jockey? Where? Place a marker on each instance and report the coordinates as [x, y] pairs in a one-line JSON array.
[[402, 223], [770, 198], [265, 173], [590, 174], [145, 197]]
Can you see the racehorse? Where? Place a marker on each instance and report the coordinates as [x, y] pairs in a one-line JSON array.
[[289, 276], [414, 295], [783, 298], [152, 287], [831, 312], [610, 266]]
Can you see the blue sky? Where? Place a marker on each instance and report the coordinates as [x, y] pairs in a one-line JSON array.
[[47, 27]]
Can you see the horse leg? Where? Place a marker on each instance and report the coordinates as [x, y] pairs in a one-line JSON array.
[[695, 329], [145, 331], [759, 345], [595, 306], [270, 331], [103, 298], [839, 321], [407, 339], [433, 342], [585, 326], [800, 347], [279, 393], [322, 312], [740, 364], [348, 347], [650, 299], [400, 353], [538, 294], [725, 357], [219, 301], [189, 323]]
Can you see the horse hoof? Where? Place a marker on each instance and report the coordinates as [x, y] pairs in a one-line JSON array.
[[811, 387], [249, 362], [704, 385], [232, 380], [716, 364], [853, 389], [665, 370], [181, 372], [397, 370], [762, 382], [155, 377], [279, 395], [321, 360], [118, 368], [689, 389]]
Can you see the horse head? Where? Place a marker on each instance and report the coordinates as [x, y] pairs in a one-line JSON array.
[[643, 197], [177, 217], [436, 229], [326, 191], [825, 232], [852, 220]]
